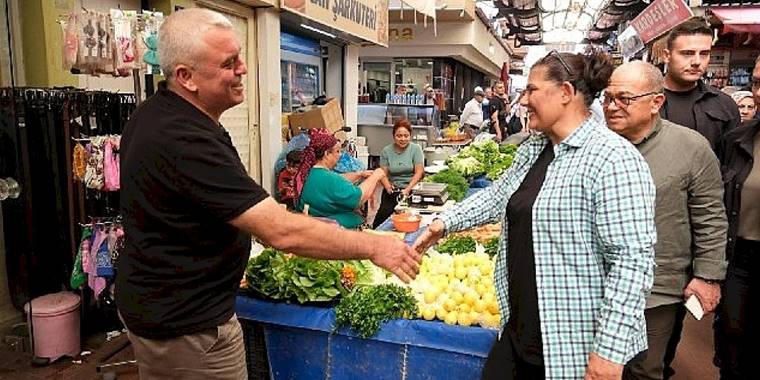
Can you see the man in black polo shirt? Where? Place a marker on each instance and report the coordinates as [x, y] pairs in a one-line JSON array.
[[190, 209]]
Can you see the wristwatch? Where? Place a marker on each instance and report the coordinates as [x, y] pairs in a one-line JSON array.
[[711, 282]]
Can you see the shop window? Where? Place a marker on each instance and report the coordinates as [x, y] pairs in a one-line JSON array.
[[300, 84], [413, 73], [378, 80]]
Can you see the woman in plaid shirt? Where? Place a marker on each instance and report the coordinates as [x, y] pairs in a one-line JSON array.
[[576, 256]]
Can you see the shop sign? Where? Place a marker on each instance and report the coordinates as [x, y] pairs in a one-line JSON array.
[[401, 34], [366, 19], [659, 17]]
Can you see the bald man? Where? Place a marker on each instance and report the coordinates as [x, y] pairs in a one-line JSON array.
[[689, 213]]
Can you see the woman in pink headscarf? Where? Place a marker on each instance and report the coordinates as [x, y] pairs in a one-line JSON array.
[[327, 193]]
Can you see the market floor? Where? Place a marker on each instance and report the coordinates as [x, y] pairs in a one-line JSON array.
[[693, 360], [17, 365]]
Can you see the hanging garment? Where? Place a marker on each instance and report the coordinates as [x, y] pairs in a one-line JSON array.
[[104, 265], [78, 276], [87, 55], [79, 163], [93, 177], [118, 244], [107, 51], [97, 284], [70, 46], [151, 56], [123, 45], [111, 164]]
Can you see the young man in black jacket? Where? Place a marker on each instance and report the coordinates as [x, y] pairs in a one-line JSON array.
[[688, 100]]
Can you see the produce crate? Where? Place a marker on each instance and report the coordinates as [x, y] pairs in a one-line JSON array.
[[301, 344], [255, 350]]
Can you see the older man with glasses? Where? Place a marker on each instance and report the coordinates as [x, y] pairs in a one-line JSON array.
[[689, 213]]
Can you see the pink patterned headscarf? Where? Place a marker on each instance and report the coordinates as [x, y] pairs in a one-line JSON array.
[[321, 141]]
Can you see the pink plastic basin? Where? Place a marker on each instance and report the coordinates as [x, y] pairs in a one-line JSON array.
[[56, 325]]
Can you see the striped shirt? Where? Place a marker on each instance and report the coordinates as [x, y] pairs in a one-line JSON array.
[[593, 234]]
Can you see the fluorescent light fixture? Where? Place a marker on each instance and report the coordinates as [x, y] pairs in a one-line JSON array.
[[320, 31]]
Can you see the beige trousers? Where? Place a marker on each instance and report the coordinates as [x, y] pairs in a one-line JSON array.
[[214, 354]]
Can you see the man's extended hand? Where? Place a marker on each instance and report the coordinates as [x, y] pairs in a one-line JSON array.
[[431, 235], [602, 369], [707, 294], [395, 256]]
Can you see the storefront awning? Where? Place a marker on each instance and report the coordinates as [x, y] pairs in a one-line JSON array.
[[739, 20]]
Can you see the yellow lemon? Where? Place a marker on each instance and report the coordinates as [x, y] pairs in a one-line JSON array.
[[493, 308], [464, 308], [441, 313], [470, 298], [428, 313], [480, 306], [464, 319], [457, 297], [480, 288], [430, 296], [461, 273], [451, 318], [450, 305]]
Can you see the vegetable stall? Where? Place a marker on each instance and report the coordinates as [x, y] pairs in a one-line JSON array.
[[351, 319]]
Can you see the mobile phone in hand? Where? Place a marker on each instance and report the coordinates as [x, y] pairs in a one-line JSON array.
[[695, 307]]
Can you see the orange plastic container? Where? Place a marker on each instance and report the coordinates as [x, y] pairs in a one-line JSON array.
[[405, 222]]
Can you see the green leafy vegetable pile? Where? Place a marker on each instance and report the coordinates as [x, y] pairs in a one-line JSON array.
[[492, 246], [281, 277], [366, 308], [483, 157], [457, 245], [457, 184]]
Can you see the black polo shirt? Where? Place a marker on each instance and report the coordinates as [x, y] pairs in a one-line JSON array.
[[181, 182]]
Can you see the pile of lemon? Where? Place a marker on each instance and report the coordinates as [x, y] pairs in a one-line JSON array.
[[457, 289]]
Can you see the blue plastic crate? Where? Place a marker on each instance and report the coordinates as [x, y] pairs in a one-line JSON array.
[[301, 344]]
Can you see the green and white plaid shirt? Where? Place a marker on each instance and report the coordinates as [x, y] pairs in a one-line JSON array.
[[593, 238]]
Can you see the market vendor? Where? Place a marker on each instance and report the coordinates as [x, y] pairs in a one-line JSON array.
[[327, 193], [403, 163]]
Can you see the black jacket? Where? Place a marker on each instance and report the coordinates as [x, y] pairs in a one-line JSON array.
[[736, 167], [715, 113]]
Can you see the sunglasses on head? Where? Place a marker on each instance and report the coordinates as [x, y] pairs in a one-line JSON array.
[[556, 54]]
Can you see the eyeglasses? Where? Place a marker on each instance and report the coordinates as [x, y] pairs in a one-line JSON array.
[[623, 101], [555, 53], [755, 82]]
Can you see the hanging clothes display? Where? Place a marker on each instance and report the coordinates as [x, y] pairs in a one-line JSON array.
[[44, 138], [112, 43]]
